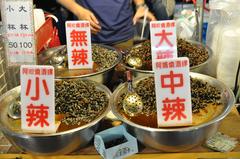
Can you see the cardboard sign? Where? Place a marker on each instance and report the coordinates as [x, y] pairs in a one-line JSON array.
[[163, 40], [173, 94], [18, 25], [79, 44], [37, 98]]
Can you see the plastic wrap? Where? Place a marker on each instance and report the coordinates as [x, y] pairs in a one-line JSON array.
[[223, 37]]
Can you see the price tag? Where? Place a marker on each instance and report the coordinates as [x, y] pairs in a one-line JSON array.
[[163, 39], [37, 98], [18, 26], [79, 44], [173, 94]]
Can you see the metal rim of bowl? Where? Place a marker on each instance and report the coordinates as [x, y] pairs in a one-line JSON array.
[[209, 50], [182, 129], [119, 58], [92, 123]]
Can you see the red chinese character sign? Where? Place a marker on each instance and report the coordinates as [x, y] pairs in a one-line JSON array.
[[163, 40], [19, 28], [37, 98], [173, 94], [79, 44]]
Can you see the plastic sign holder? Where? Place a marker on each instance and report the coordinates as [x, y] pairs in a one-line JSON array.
[[173, 93], [79, 45], [163, 39], [37, 99]]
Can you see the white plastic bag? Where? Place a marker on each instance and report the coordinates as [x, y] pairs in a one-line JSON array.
[[186, 24]]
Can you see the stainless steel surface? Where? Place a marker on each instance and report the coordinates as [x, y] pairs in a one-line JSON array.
[[177, 139], [198, 69], [46, 144], [199, 13], [103, 76]]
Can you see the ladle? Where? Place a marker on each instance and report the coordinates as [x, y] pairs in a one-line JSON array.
[[134, 61], [14, 110], [132, 102]]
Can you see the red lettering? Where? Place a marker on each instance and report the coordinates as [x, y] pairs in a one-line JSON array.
[[168, 81], [37, 115], [164, 54], [173, 109], [37, 88], [78, 38], [79, 57], [164, 37]]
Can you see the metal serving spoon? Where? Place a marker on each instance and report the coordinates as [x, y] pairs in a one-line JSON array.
[[134, 61], [14, 110], [132, 102]]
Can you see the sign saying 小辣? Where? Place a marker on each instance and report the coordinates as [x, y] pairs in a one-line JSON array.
[[173, 94], [37, 99], [19, 31], [79, 44], [163, 40]]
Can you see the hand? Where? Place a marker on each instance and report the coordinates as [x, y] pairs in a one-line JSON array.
[[85, 14], [140, 13]]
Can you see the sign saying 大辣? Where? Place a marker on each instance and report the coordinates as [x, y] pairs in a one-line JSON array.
[[173, 94], [79, 44], [37, 98], [18, 26], [163, 39]]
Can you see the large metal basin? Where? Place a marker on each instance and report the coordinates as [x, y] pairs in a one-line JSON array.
[[198, 68], [103, 76], [176, 139], [46, 144]]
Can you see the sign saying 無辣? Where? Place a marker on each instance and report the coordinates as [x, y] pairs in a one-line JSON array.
[[173, 94], [79, 44], [18, 26], [163, 39], [37, 98]]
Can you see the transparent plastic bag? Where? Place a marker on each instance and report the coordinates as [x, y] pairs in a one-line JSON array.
[[223, 37]]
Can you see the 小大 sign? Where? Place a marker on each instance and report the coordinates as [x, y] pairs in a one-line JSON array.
[[19, 31]]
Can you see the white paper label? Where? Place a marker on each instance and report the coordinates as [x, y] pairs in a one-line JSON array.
[[18, 26], [163, 39], [173, 94], [37, 98], [79, 44]]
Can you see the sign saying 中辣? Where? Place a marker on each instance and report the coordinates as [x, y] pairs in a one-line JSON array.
[[19, 31], [79, 44], [37, 98], [163, 40], [173, 94]]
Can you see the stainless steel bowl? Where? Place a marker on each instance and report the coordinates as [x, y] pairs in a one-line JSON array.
[[46, 144], [176, 139], [52, 57], [198, 68]]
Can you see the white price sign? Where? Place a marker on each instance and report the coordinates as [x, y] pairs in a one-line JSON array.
[[163, 39], [79, 44], [37, 99], [173, 94], [18, 25]]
